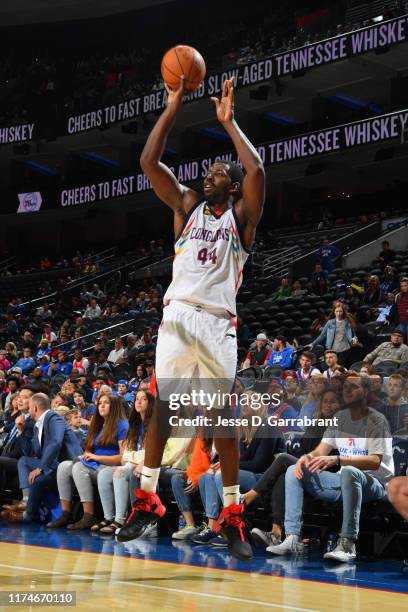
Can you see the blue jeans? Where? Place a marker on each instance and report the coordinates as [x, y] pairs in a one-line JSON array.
[[42, 484], [350, 484], [183, 499], [209, 495], [246, 481]]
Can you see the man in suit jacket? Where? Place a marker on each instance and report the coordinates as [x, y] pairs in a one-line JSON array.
[[52, 441]]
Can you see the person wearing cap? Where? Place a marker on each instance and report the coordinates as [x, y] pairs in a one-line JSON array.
[[395, 350], [123, 391], [260, 354], [43, 350], [281, 355]]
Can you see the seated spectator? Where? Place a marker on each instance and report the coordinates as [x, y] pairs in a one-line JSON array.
[[113, 483], [5, 365], [116, 353], [272, 482], [283, 292], [372, 295], [107, 429], [80, 362], [141, 374], [328, 256], [259, 355], [50, 442], [390, 283], [297, 290], [364, 443], [61, 367], [44, 311], [395, 408], [306, 370], [86, 409], [293, 389], [280, 408], [11, 353], [399, 313], [93, 310], [281, 354], [387, 255], [395, 350], [315, 389], [73, 418], [26, 363], [318, 275], [123, 392], [385, 309], [338, 333], [28, 341], [330, 358]]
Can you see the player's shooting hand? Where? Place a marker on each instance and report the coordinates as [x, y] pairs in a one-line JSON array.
[[225, 105], [175, 97]]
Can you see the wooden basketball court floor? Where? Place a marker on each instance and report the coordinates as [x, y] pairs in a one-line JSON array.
[[157, 574]]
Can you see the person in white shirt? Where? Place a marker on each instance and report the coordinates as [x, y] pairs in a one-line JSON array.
[[363, 440], [93, 310], [117, 352]]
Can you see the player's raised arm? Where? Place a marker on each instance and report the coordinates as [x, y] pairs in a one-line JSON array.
[[165, 184], [250, 207]]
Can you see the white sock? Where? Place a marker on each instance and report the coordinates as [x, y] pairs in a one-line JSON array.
[[149, 479], [230, 495], [26, 493]]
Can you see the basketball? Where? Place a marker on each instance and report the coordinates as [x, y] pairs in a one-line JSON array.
[[180, 60]]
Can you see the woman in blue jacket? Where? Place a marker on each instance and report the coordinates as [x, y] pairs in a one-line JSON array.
[[338, 334]]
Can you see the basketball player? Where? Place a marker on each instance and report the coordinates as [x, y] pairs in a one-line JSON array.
[[197, 337]]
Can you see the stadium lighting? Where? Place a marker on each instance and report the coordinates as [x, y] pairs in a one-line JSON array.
[[378, 18]]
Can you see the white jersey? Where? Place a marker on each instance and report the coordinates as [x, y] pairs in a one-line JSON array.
[[209, 259]]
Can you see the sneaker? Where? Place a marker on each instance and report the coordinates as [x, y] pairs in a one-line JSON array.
[[231, 526], [290, 546], [147, 510], [218, 542], [264, 538], [344, 552], [204, 536], [186, 533], [151, 531]]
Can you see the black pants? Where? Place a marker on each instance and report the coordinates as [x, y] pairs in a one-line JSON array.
[[8, 474], [273, 483]]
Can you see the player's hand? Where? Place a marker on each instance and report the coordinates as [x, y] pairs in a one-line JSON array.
[[175, 97], [225, 105]]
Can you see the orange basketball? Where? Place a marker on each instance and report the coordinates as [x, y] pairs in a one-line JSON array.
[[180, 60]]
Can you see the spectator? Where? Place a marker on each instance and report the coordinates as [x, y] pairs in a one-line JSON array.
[[364, 443], [399, 314], [330, 358], [5, 365], [113, 483], [259, 355], [282, 414], [272, 482], [106, 431], [51, 442], [395, 350], [315, 389], [338, 333], [372, 295], [328, 256], [11, 352], [28, 341], [116, 353], [283, 292], [73, 418], [306, 370], [80, 362], [93, 310], [86, 409], [390, 282], [141, 374], [44, 311], [387, 255], [319, 322], [281, 355], [396, 408], [318, 275], [292, 388], [48, 334], [61, 367], [385, 311], [26, 363]]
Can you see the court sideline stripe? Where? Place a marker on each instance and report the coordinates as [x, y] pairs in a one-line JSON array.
[[162, 588]]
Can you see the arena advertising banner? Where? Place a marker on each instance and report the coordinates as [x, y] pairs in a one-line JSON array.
[[311, 56], [330, 140], [344, 46]]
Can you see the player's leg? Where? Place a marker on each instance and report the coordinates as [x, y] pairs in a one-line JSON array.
[[217, 365], [173, 361], [397, 491]]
